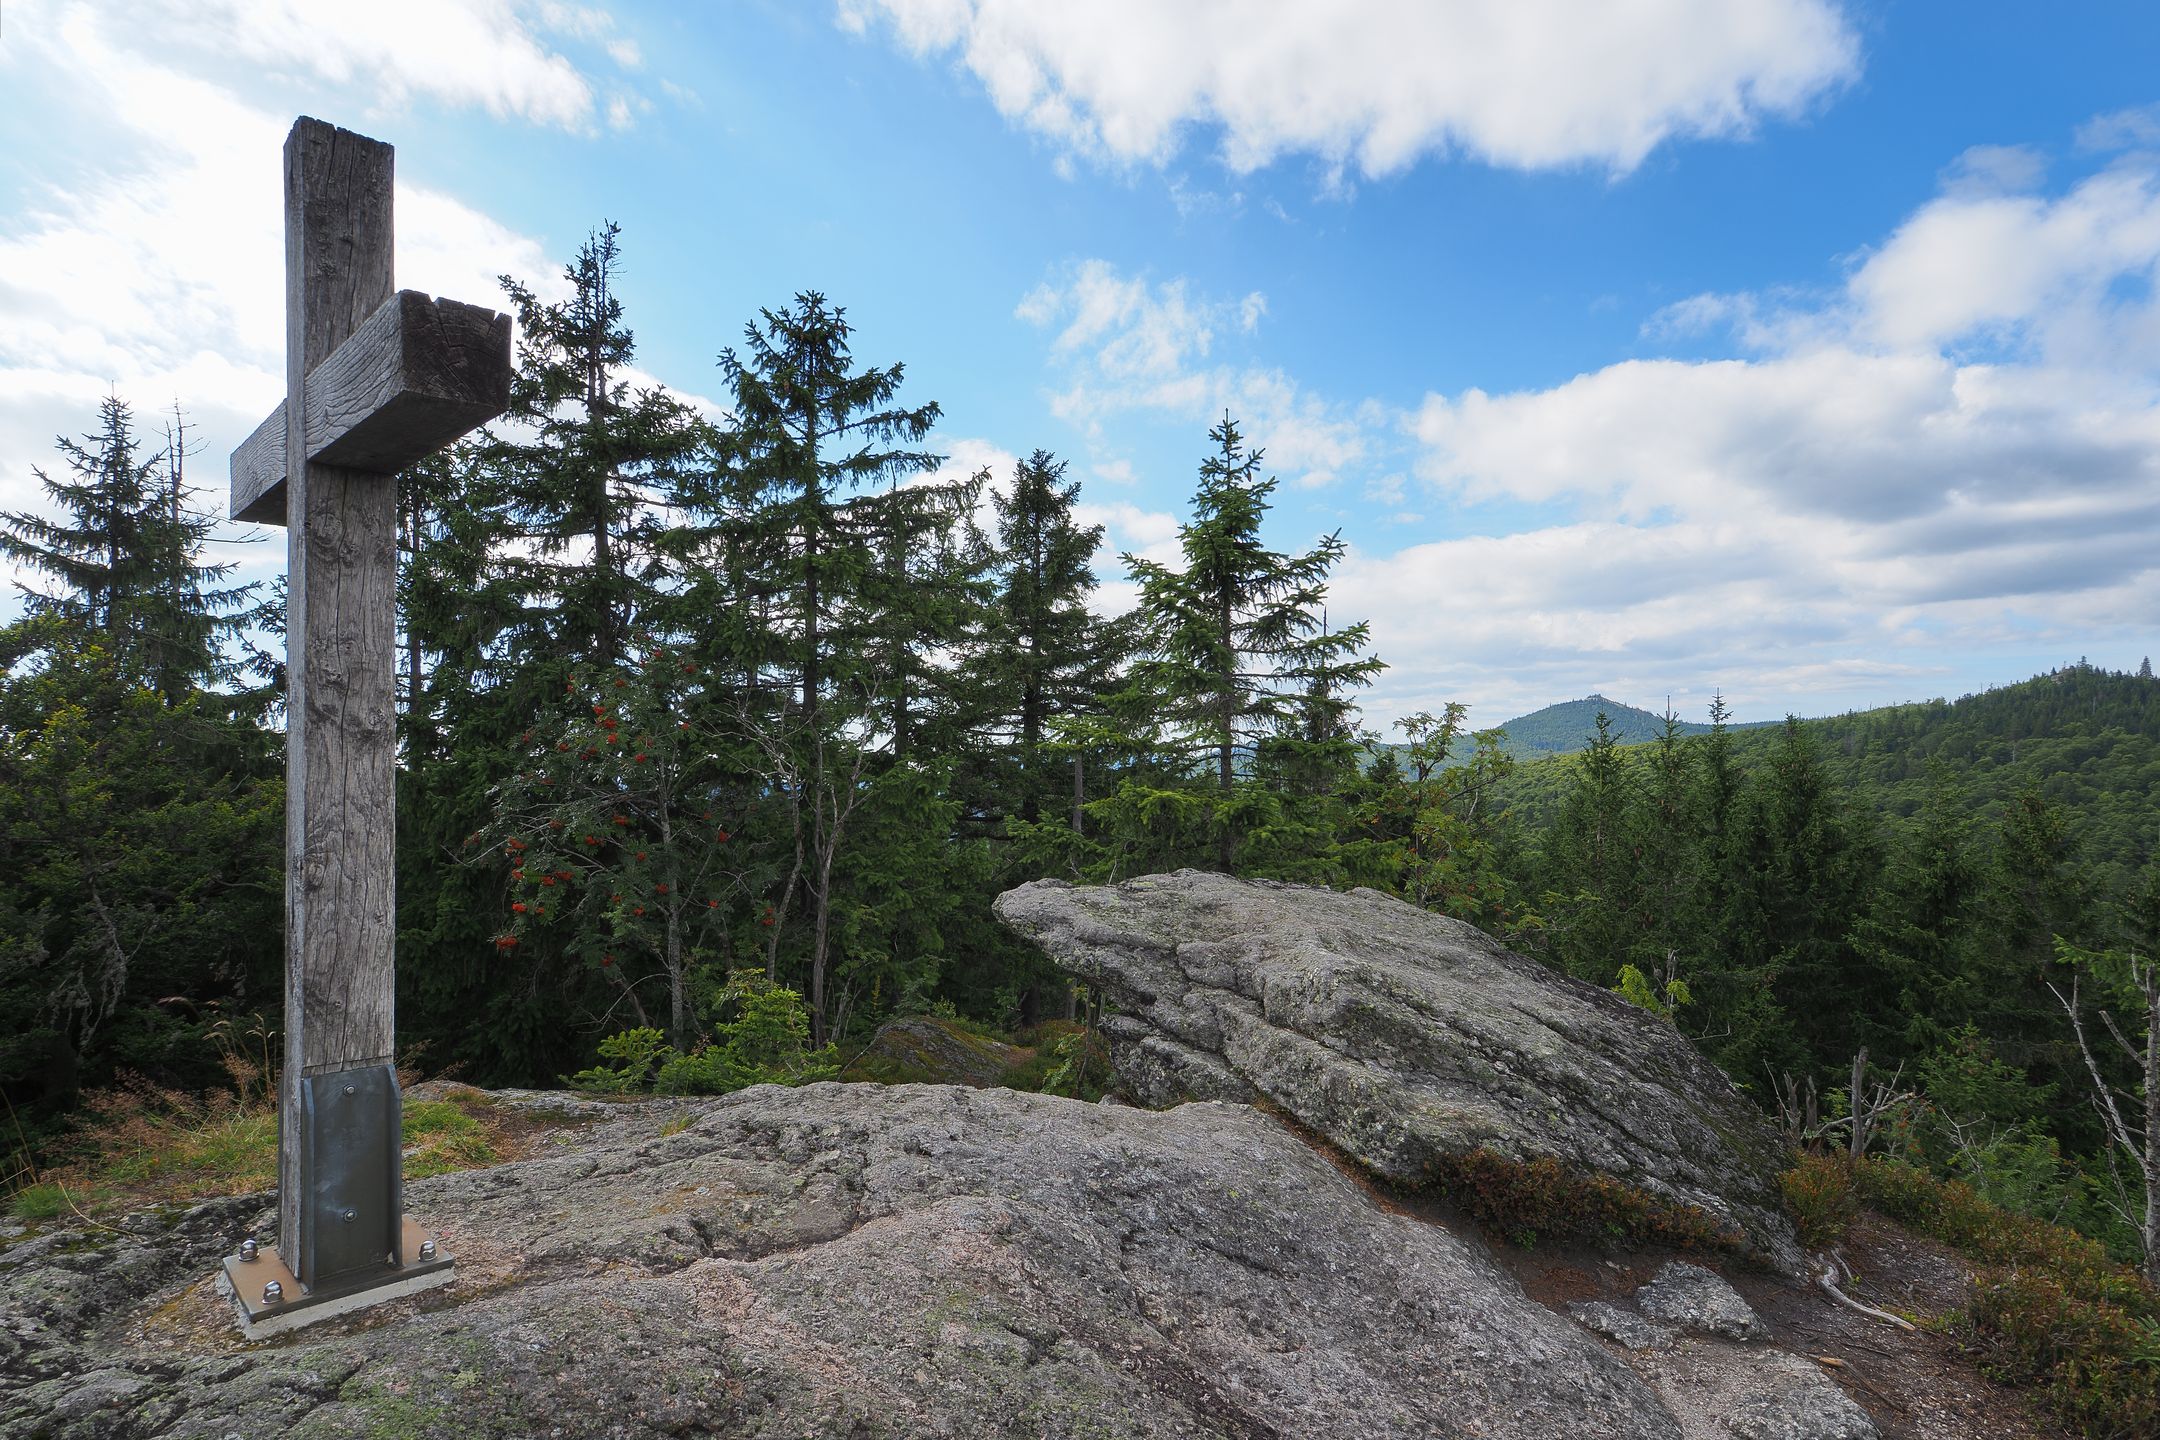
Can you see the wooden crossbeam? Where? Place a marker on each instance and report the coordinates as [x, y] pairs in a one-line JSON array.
[[416, 375]]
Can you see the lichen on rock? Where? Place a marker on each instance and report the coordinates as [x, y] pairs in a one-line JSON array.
[[1700, 1300], [1403, 1037], [855, 1260]]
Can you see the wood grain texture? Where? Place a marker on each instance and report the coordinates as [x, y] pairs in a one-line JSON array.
[[419, 374], [416, 375], [340, 905], [258, 473]]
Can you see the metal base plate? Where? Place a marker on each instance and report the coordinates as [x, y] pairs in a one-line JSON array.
[[296, 1307]]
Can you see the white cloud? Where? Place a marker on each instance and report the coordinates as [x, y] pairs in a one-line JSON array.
[[1379, 84], [1957, 450], [491, 54], [1127, 343], [1991, 264], [154, 269], [2121, 129]]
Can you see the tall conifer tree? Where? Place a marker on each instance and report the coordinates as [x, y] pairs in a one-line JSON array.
[[1236, 642], [817, 535], [125, 548], [1049, 649]]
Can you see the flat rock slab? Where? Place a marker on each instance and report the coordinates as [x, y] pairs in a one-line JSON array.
[[1403, 1037], [1700, 1300], [1808, 1408], [1719, 1390], [847, 1260]]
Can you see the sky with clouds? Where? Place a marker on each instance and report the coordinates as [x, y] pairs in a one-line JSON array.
[[1803, 349]]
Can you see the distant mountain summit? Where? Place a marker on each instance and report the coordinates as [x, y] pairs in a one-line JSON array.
[[1565, 728]]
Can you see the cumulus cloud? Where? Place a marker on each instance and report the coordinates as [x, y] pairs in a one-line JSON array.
[[1957, 448], [1123, 342], [498, 55], [1380, 84], [1954, 451], [151, 268]]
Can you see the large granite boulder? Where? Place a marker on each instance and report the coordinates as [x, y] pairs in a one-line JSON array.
[[1403, 1037], [843, 1260]]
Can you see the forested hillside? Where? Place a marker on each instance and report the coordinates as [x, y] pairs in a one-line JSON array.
[[1569, 727], [2086, 739], [721, 736]]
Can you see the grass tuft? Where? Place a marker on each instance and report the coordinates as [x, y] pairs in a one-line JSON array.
[[140, 1145]]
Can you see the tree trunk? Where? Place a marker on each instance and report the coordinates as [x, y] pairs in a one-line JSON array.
[[678, 980], [1226, 700], [820, 936], [2151, 1236]]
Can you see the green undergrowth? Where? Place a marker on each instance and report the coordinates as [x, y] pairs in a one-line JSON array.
[[1053, 1057], [1064, 1058], [760, 1035], [1543, 1202], [2049, 1309], [902, 1056]]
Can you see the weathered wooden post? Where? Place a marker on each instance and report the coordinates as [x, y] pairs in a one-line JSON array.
[[374, 380]]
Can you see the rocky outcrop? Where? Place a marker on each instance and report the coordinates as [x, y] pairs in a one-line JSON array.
[[845, 1260], [1700, 1300], [1403, 1037], [928, 1049], [1624, 1328]]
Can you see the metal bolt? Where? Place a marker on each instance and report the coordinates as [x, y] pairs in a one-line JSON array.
[[348, 1216], [249, 1249], [273, 1292], [427, 1249], [352, 1089]]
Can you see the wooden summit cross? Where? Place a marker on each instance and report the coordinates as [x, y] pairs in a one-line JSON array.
[[374, 381]]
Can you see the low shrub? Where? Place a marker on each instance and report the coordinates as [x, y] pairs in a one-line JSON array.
[[441, 1137], [140, 1144], [764, 1039], [2098, 1362], [39, 1200], [1532, 1202], [1821, 1196], [2049, 1308]]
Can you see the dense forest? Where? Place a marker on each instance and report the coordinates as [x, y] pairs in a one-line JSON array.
[[694, 710]]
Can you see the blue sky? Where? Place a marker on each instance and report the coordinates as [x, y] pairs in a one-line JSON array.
[[1803, 349]]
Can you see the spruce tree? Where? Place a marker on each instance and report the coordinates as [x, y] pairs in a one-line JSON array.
[[1592, 865], [1668, 859], [535, 549], [1048, 650], [138, 810], [580, 485], [125, 548], [1921, 934], [829, 617], [813, 436], [1236, 647], [1807, 872]]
